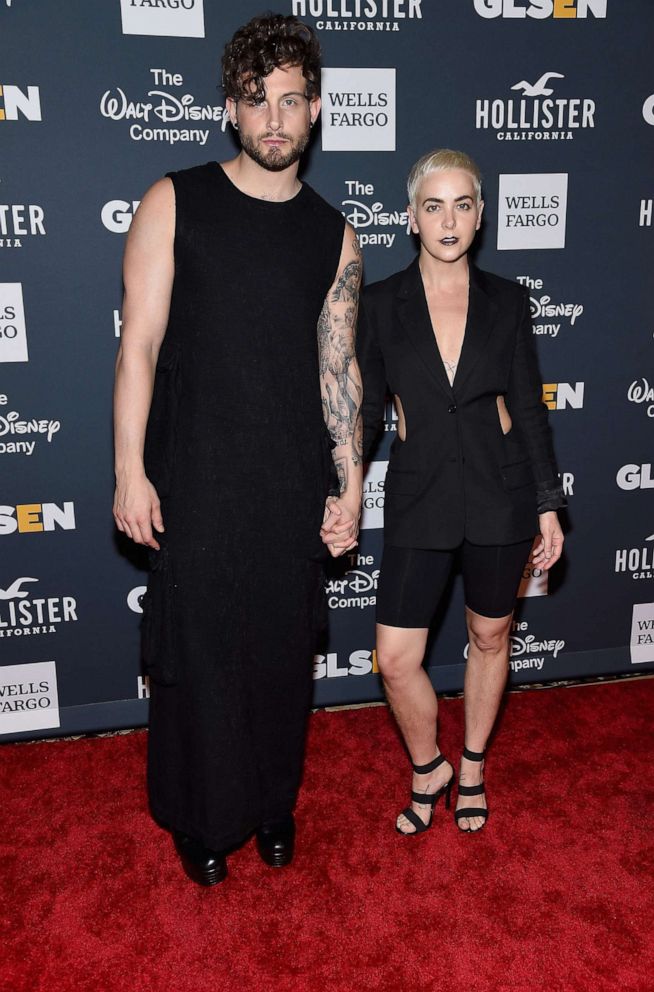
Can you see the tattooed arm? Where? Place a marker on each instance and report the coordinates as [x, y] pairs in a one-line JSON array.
[[341, 391]]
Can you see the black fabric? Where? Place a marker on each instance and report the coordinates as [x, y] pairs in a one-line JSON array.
[[457, 475], [413, 580], [237, 448]]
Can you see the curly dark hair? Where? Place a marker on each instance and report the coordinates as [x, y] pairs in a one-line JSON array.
[[266, 43]]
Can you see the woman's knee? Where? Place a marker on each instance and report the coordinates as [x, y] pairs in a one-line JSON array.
[[488, 635], [397, 664]]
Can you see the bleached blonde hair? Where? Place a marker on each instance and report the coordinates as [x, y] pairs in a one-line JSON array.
[[438, 161]]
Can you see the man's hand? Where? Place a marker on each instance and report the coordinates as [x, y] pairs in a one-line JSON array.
[[137, 510], [340, 526], [550, 547]]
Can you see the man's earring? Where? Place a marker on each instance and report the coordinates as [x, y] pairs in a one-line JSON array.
[[235, 125]]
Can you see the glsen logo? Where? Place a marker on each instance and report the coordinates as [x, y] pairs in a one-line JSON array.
[[135, 598], [645, 216], [13, 428], [540, 9], [28, 697], [648, 110], [525, 651], [16, 103], [357, 588], [358, 110], [13, 332], [632, 477], [358, 15], [165, 18], [638, 562], [533, 119], [642, 633], [168, 108], [19, 220], [561, 395], [368, 217], [118, 323], [533, 582], [143, 687], [25, 615], [373, 496], [33, 518], [116, 215], [532, 211], [640, 391], [326, 666], [543, 307]]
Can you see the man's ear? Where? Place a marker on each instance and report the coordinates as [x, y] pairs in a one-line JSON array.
[[314, 108], [230, 104], [481, 210], [412, 219]]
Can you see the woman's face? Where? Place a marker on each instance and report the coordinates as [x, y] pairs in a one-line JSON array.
[[446, 216]]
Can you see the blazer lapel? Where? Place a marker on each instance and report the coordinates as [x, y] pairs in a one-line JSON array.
[[414, 315], [482, 311]]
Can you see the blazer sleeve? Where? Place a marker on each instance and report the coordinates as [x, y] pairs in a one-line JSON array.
[[373, 375], [527, 409]]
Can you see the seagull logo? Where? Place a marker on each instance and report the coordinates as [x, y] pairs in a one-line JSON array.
[[540, 87], [14, 591]]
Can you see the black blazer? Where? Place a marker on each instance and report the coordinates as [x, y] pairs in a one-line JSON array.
[[456, 475]]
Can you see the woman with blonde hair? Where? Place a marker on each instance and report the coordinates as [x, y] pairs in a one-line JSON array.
[[472, 473]]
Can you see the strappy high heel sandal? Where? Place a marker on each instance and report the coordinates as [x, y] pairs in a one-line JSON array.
[[471, 790], [426, 798]]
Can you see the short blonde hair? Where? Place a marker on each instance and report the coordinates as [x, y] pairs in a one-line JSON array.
[[438, 161]]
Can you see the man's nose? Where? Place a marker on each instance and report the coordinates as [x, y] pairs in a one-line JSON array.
[[274, 122]]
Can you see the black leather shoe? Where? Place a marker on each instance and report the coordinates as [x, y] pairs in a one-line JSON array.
[[276, 841], [202, 865]]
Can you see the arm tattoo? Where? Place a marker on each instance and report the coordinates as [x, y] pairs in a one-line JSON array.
[[341, 470], [339, 374]]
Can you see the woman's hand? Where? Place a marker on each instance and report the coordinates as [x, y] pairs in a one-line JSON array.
[[550, 547]]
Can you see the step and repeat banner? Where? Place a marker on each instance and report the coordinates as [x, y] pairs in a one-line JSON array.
[[553, 98]]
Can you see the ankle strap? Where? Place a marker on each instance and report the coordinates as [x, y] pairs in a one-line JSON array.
[[473, 755], [425, 769]]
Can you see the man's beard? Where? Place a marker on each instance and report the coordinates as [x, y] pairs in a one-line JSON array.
[[274, 160]]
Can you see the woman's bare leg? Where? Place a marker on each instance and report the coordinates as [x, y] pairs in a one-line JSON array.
[[400, 653], [485, 678]]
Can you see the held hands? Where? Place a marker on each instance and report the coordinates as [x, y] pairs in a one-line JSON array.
[[137, 509], [340, 525], [550, 547]]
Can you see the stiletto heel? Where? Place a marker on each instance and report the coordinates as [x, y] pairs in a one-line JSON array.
[[426, 798], [471, 790]]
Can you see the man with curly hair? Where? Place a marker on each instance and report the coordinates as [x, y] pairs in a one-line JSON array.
[[238, 453]]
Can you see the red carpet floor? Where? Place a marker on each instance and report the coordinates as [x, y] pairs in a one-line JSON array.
[[555, 894]]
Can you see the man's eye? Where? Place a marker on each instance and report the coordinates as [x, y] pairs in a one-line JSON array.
[[465, 206], [431, 207]]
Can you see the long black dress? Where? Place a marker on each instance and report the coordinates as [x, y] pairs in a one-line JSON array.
[[240, 456]]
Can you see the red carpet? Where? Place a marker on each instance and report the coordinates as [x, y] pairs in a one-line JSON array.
[[554, 894]]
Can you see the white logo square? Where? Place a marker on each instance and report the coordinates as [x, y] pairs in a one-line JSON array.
[[642, 633], [28, 697], [532, 211], [533, 582], [13, 333], [183, 20], [358, 110], [372, 516]]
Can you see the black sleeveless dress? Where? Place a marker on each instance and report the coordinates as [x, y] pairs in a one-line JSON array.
[[238, 451]]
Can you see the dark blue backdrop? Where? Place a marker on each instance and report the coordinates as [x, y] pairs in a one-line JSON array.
[[554, 100]]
